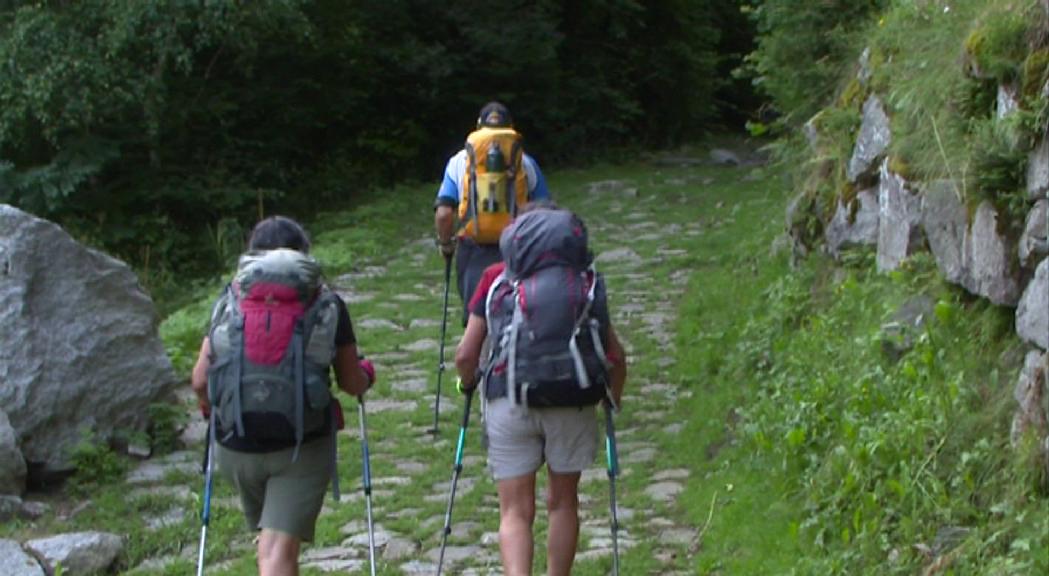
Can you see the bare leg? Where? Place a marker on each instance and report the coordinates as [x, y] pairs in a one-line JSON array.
[[516, 514], [562, 504], [278, 554]]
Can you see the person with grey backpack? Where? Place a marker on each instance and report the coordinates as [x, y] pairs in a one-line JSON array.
[[262, 378], [553, 357]]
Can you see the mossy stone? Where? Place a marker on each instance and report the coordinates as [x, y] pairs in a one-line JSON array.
[[1035, 74]]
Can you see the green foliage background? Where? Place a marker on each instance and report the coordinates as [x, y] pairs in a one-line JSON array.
[[160, 130]]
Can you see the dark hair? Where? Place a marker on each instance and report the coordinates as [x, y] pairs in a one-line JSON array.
[[279, 232], [496, 115]]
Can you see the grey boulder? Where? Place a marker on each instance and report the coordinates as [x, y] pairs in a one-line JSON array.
[[80, 342], [899, 226], [78, 552], [992, 269], [874, 139], [15, 562], [945, 222]]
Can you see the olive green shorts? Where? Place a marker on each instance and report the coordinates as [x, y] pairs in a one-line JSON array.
[[276, 493]]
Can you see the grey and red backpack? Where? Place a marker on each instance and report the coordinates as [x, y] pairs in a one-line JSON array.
[[547, 315], [272, 340]]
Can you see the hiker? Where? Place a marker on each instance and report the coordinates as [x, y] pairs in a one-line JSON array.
[[264, 369], [539, 392], [483, 186]]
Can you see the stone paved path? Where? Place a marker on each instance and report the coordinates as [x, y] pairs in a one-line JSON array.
[[646, 269]]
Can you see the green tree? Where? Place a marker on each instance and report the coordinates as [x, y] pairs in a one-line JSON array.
[[802, 48]]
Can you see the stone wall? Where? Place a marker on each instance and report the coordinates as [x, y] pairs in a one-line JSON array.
[[900, 217]]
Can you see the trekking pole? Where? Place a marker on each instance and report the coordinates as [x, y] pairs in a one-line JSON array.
[[367, 483], [205, 515], [458, 468], [444, 330], [612, 459]]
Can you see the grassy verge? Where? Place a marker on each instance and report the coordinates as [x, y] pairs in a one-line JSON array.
[[824, 453]]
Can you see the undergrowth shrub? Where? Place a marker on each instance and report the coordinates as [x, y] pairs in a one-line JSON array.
[[897, 462], [998, 163], [166, 421], [96, 463], [183, 330], [998, 44]]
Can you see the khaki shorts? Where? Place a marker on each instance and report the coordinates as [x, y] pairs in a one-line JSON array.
[[520, 439], [276, 493]]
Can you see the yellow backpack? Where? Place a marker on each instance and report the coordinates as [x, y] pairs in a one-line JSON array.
[[495, 184]]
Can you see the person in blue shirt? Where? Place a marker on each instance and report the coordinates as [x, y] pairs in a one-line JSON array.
[[453, 237]]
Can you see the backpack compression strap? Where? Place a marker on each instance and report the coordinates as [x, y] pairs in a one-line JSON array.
[[595, 333], [511, 363], [511, 177], [472, 212], [236, 346], [300, 387]]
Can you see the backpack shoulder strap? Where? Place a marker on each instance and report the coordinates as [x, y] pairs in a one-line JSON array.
[[218, 309], [499, 280]]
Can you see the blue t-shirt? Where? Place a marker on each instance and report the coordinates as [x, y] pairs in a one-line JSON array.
[[451, 184]]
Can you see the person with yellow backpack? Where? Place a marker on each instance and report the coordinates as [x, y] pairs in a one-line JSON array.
[[484, 185]]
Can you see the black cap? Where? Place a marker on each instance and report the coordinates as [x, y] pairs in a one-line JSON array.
[[495, 115]]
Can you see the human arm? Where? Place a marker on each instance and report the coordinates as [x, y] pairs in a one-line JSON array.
[[537, 189], [444, 206], [350, 371], [198, 379], [353, 374], [617, 371], [468, 354], [444, 225]]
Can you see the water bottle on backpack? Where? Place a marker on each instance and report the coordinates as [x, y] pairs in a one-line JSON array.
[[495, 166]]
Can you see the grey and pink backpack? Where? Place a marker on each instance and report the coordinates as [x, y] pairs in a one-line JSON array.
[[272, 343], [547, 315]]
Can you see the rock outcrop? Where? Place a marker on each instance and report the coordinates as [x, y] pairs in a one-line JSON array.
[[1032, 314], [945, 222], [989, 260], [874, 139], [1032, 400], [899, 225], [1034, 245], [854, 224]]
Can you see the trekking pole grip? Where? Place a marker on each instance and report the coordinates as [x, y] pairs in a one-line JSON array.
[[462, 432]]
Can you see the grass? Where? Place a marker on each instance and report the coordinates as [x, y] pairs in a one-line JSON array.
[[851, 461]]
